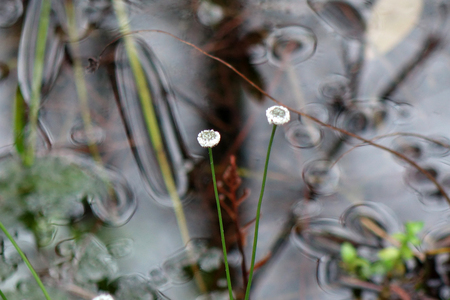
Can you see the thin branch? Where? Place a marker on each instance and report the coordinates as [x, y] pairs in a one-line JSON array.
[[314, 119], [392, 135]]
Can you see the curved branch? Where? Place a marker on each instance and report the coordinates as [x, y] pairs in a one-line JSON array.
[[379, 137], [314, 119]]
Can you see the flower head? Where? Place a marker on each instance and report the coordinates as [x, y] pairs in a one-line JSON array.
[[103, 297], [277, 115], [208, 138]]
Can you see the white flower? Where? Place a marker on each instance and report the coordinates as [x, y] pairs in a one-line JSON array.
[[103, 297], [277, 115], [208, 138]]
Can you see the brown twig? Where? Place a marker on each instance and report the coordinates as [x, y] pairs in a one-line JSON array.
[[263, 261], [392, 135], [334, 128], [228, 187]]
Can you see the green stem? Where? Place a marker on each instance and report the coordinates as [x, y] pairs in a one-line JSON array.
[[258, 213], [25, 259], [3, 295], [38, 70], [222, 233]]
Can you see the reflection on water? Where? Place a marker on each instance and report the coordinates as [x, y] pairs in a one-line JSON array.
[[85, 210]]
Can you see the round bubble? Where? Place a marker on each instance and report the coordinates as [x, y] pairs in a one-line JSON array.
[[408, 146], [367, 118], [209, 13], [321, 177], [258, 54], [10, 12], [417, 147], [427, 192], [335, 87], [81, 136], [303, 136], [290, 45], [306, 209], [121, 247], [322, 237], [157, 277], [115, 204], [316, 110], [357, 217]]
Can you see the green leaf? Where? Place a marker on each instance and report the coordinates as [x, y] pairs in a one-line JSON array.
[[406, 253], [379, 268], [2, 295], [20, 121], [401, 237], [415, 241], [366, 271], [362, 268], [348, 253], [413, 228], [389, 254]]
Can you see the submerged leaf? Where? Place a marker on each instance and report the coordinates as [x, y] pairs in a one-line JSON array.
[[156, 162], [390, 23]]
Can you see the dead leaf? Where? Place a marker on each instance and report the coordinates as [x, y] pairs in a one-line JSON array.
[[390, 23]]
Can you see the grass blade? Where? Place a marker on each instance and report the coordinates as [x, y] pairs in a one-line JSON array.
[[20, 121]]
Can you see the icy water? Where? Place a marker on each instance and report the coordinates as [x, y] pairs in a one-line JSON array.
[[120, 200]]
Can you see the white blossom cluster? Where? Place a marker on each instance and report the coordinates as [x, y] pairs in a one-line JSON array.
[[277, 115], [208, 138]]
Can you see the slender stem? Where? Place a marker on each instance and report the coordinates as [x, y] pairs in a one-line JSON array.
[[222, 234], [25, 259], [38, 71], [2, 295], [80, 82], [258, 213]]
